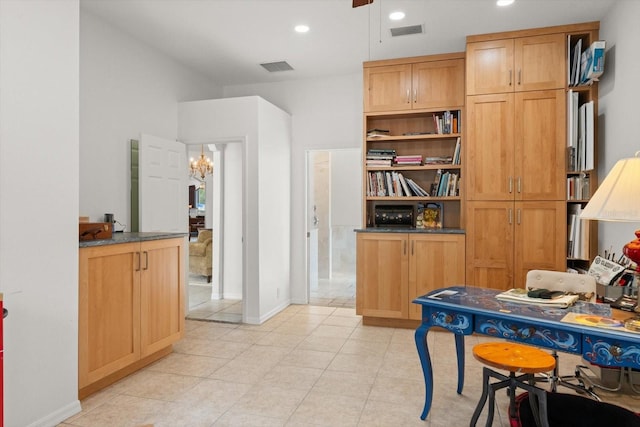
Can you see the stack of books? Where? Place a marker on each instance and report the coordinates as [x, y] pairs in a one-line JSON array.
[[377, 133], [438, 160], [415, 159], [380, 157]]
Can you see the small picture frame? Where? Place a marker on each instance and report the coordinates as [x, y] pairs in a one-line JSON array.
[[432, 216]]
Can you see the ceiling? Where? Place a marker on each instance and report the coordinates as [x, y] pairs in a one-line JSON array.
[[226, 40]]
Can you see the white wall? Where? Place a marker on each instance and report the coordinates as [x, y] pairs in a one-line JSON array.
[[326, 114], [274, 204], [618, 104], [242, 118], [126, 89], [232, 208], [39, 209]]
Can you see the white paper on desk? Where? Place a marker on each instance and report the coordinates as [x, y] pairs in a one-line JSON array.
[[441, 294], [520, 296]]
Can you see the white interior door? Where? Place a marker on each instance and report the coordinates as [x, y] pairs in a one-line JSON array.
[[163, 185]]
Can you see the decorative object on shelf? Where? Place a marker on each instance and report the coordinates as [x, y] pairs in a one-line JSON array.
[[200, 168], [618, 199], [432, 215]]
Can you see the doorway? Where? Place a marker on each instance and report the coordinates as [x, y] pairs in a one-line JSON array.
[[222, 299], [333, 212]]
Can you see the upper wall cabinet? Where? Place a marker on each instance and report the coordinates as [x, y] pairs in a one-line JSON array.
[[414, 83], [516, 64]]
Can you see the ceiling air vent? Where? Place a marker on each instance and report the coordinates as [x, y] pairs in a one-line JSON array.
[[272, 67], [405, 31]]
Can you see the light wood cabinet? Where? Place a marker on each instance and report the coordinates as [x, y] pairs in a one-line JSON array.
[[507, 239], [393, 269], [414, 83], [516, 64], [131, 308], [516, 146]]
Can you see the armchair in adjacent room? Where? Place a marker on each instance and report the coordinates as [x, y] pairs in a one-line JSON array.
[[200, 254]]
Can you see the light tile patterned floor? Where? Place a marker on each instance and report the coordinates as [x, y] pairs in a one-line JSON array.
[[335, 292], [307, 366]]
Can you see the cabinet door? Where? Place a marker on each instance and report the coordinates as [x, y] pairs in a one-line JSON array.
[[490, 67], [382, 275], [162, 294], [387, 88], [109, 310], [490, 149], [435, 261], [540, 134], [438, 84], [540, 235], [540, 62], [490, 244]]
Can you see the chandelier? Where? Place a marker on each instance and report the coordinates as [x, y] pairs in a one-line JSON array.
[[200, 168]]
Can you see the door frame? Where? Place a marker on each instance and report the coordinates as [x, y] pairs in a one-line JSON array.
[[217, 146]]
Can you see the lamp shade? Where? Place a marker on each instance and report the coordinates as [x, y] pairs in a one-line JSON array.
[[618, 197]]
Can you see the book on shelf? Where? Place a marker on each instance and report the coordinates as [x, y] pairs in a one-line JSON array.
[[379, 162], [377, 133], [417, 190], [447, 123], [456, 153], [578, 187], [438, 160], [572, 130], [592, 62], [574, 64], [409, 160], [578, 233], [405, 187]]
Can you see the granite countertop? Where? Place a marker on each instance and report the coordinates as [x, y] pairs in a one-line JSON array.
[[410, 230], [131, 237]]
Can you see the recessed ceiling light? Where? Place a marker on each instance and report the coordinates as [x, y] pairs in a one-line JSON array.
[[301, 28], [504, 2], [396, 16]]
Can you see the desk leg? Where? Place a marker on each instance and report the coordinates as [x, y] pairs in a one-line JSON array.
[[425, 360], [460, 353]]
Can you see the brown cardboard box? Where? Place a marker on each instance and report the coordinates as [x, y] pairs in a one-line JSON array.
[[95, 230]]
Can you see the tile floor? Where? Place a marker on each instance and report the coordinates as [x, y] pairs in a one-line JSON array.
[[335, 292], [307, 366]]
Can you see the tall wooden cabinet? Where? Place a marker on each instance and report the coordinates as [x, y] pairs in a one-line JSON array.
[[131, 308], [403, 100], [516, 154]]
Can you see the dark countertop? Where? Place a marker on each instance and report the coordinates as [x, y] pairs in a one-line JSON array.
[[410, 230], [132, 237]]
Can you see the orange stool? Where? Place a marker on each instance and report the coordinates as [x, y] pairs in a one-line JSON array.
[[517, 359]]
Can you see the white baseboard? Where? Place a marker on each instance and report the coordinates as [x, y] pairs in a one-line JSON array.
[[55, 418]]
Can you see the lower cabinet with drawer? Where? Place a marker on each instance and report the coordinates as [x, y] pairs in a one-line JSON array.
[[394, 268], [131, 308]]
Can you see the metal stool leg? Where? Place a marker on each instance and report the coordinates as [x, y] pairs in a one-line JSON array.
[[483, 397]]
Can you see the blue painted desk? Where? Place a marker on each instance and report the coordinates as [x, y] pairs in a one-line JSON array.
[[470, 310]]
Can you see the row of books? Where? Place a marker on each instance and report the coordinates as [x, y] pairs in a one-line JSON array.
[[445, 184], [578, 188], [388, 157], [447, 123], [585, 66], [580, 133], [392, 184], [578, 233]]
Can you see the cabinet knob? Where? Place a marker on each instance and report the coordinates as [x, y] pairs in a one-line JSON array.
[[408, 96], [510, 77], [519, 76]]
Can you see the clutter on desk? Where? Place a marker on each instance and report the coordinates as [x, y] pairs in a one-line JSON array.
[[614, 276], [521, 296]]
